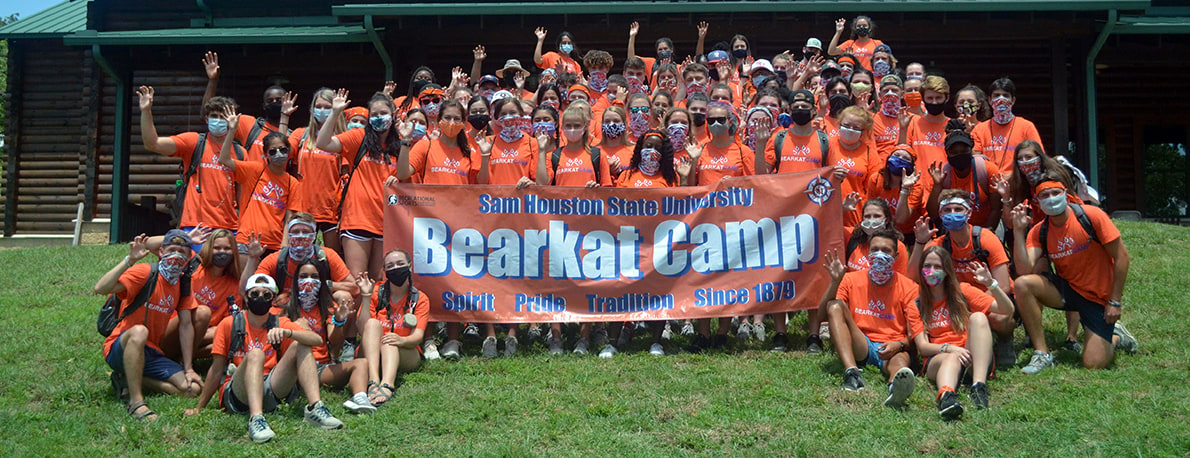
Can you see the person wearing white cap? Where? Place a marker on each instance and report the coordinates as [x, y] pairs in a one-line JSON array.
[[259, 376]]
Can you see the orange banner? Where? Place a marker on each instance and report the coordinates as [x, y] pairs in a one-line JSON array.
[[561, 254]]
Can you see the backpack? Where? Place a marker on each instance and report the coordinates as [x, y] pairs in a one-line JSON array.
[[193, 169], [596, 156], [239, 330], [976, 248], [255, 132], [282, 271], [1083, 220], [110, 314], [981, 176], [383, 298], [823, 144]]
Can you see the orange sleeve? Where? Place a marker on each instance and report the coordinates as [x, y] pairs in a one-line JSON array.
[[605, 173], [133, 279], [248, 172], [337, 267], [977, 300], [295, 138], [1105, 230], [222, 337], [845, 293], [748, 158], [901, 264], [977, 137], [184, 144], [991, 243], [268, 264], [770, 151], [908, 302], [1032, 134], [1034, 239], [548, 60], [349, 143], [245, 127], [417, 157]]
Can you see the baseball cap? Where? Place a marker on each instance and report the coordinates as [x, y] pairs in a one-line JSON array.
[[261, 280], [892, 79], [814, 43], [502, 94], [958, 136], [717, 56], [762, 64], [829, 70], [883, 48], [801, 95], [176, 237], [489, 79]]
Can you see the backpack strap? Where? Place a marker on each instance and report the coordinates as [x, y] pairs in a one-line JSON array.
[[596, 158], [981, 177], [825, 145], [238, 332], [359, 156], [555, 157], [976, 247], [282, 269], [142, 296], [255, 132], [1080, 215], [778, 145], [1044, 235]]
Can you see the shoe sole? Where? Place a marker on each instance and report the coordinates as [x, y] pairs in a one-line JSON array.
[[951, 413], [359, 409], [778, 350], [657, 354], [902, 388], [261, 441], [321, 426], [451, 356], [853, 390]]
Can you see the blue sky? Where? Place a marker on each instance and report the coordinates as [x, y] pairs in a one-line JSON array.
[[26, 8]]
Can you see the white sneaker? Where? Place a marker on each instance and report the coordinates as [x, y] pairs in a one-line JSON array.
[[744, 332], [656, 350], [824, 331], [758, 331], [555, 345], [667, 333], [688, 329], [450, 351], [580, 347], [900, 388], [607, 352], [258, 429], [430, 350], [359, 404], [318, 415]]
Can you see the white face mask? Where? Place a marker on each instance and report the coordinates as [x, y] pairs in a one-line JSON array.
[[870, 226], [848, 134], [573, 135], [1054, 205]]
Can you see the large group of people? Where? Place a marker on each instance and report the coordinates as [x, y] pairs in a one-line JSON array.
[[958, 229]]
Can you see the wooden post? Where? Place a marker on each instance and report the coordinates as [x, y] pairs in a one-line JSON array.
[[13, 138]]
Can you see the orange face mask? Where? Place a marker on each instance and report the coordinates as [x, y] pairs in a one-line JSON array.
[[450, 129]]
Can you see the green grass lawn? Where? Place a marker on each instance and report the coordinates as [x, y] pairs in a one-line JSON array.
[[55, 398]]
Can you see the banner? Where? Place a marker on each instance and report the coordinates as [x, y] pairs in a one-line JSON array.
[[497, 254]]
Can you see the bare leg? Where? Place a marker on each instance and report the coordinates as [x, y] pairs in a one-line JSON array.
[[392, 361], [847, 337], [894, 364], [1072, 326], [1033, 292], [944, 369], [133, 343], [371, 344], [331, 240], [376, 260], [248, 381], [979, 343], [1098, 353]]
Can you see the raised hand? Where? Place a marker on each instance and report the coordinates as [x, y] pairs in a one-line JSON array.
[[702, 29], [937, 172], [543, 142], [904, 117], [210, 63], [255, 249], [342, 309], [485, 145], [340, 101], [592, 184], [390, 180], [145, 94], [839, 173], [633, 29], [405, 129], [851, 202], [816, 63], [540, 33], [199, 234], [908, 180], [479, 52], [364, 282], [613, 165], [840, 24], [983, 275], [1000, 184], [748, 61], [922, 230], [1022, 219], [389, 88], [232, 117], [693, 149], [621, 94], [764, 128], [834, 266], [434, 134], [684, 167], [138, 248], [519, 80], [288, 104]]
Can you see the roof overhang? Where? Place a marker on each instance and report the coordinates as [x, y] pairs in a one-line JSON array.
[[223, 35], [1136, 25]]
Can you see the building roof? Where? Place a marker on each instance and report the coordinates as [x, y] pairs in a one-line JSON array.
[[345, 33], [1152, 25], [58, 20]]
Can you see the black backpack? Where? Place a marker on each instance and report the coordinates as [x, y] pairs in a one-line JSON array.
[[193, 169], [281, 272], [239, 330], [596, 157], [255, 132], [382, 298], [1083, 220], [980, 166], [779, 142], [976, 248], [110, 314]]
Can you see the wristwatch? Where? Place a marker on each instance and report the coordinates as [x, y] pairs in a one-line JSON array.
[[1115, 304], [406, 143]]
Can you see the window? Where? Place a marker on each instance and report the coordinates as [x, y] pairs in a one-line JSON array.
[[1166, 171]]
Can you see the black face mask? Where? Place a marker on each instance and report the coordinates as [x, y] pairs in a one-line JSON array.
[[222, 259], [961, 162], [272, 111], [863, 31], [935, 109], [838, 103], [260, 304], [507, 81], [739, 53], [802, 116], [699, 119], [478, 121], [782, 75], [713, 74], [397, 276], [666, 54]]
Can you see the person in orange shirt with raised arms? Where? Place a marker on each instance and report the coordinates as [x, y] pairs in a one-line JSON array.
[[616, 145], [318, 191], [898, 183], [998, 137], [963, 170], [270, 187], [564, 57], [861, 45], [397, 315], [664, 46], [855, 150], [926, 133]]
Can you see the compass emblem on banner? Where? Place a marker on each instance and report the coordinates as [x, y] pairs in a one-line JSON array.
[[819, 190]]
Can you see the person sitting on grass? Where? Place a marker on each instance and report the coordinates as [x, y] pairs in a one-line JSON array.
[[871, 312], [133, 349], [1090, 267], [272, 356], [395, 323], [958, 333]]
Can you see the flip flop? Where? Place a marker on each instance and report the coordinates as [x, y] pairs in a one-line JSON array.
[[132, 408], [381, 397]]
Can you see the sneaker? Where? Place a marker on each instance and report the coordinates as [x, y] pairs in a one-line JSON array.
[[1128, 342], [1004, 353], [641, 326], [580, 347], [489, 347], [599, 336], [259, 430], [555, 345], [607, 352], [852, 380], [430, 350], [656, 350], [900, 388], [359, 404], [744, 332], [1038, 362], [699, 344], [348, 352], [979, 395], [450, 351], [666, 332], [625, 336], [687, 329], [318, 415], [824, 331], [758, 331], [510, 344], [780, 343], [471, 331], [718, 341], [1073, 346], [534, 332], [949, 407], [813, 344]]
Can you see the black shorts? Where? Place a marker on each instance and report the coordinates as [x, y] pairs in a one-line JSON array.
[[1090, 313], [360, 235], [324, 227]]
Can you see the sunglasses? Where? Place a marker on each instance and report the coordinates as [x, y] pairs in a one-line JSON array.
[[431, 100], [262, 294], [279, 151], [640, 109], [717, 120]]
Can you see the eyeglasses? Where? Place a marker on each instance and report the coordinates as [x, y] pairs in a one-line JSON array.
[[639, 109], [431, 100], [267, 295], [717, 120]]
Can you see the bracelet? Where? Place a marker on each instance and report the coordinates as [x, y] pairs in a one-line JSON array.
[[1115, 304], [1006, 201], [995, 284], [336, 322], [128, 261], [485, 155], [945, 347]]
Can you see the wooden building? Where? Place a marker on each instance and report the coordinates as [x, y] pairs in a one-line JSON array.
[[73, 135]]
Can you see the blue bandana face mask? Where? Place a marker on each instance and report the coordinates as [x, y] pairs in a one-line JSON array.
[[954, 221], [898, 166], [380, 123], [355, 125], [216, 126]]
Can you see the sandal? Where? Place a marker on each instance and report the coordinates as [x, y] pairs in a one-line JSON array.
[[372, 391], [132, 408], [381, 397]]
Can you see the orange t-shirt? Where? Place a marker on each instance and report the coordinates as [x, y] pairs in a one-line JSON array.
[[981, 195], [938, 328], [965, 260], [215, 206], [575, 169], [715, 163], [551, 59], [861, 162], [510, 161], [268, 265], [393, 319], [621, 152], [884, 313], [254, 338], [917, 204], [999, 142], [212, 292], [830, 125], [264, 211], [637, 179], [885, 129], [436, 163], [317, 193], [799, 153], [256, 149], [1087, 266], [363, 206], [862, 51], [928, 140], [314, 320], [155, 313]]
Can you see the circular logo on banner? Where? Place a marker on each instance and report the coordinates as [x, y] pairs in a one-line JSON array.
[[392, 199], [819, 190]]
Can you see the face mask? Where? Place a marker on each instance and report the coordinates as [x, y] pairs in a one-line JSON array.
[[756, 81], [750, 135], [849, 135], [551, 103], [961, 162], [665, 54], [397, 276], [380, 123], [487, 94], [650, 161], [450, 129], [172, 265], [613, 129], [1053, 206], [880, 267], [677, 136], [419, 131], [307, 289], [301, 246], [739, 53], [216, 126], [1002, 110], [511, 128], [881, 68], [845, 72], [222, 259], [544, 127], [432, 109], [860, 87], [355, 125], [954, 221], [278, 159], [272, 111], [574, 135], [915, 77], [890, 104], [863, 31], [598, 81], [699, 119], [801, 116], [782, 75], [566, 48], [696, 88], [898, 166], [838, 103], [478, 121], [638, 123], [320, 114], [933, 277], [935, 109], [870, 226], [719, 129], [260, 304], [784, 120], [636, 86], [1031, 168]]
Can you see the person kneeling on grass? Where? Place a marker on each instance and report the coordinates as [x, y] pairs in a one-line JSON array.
[[1090, 267], [958, 333], [871, 313], [258, 379], [394, 325]]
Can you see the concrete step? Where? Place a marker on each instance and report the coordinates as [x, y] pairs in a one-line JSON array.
[[36, 240]]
